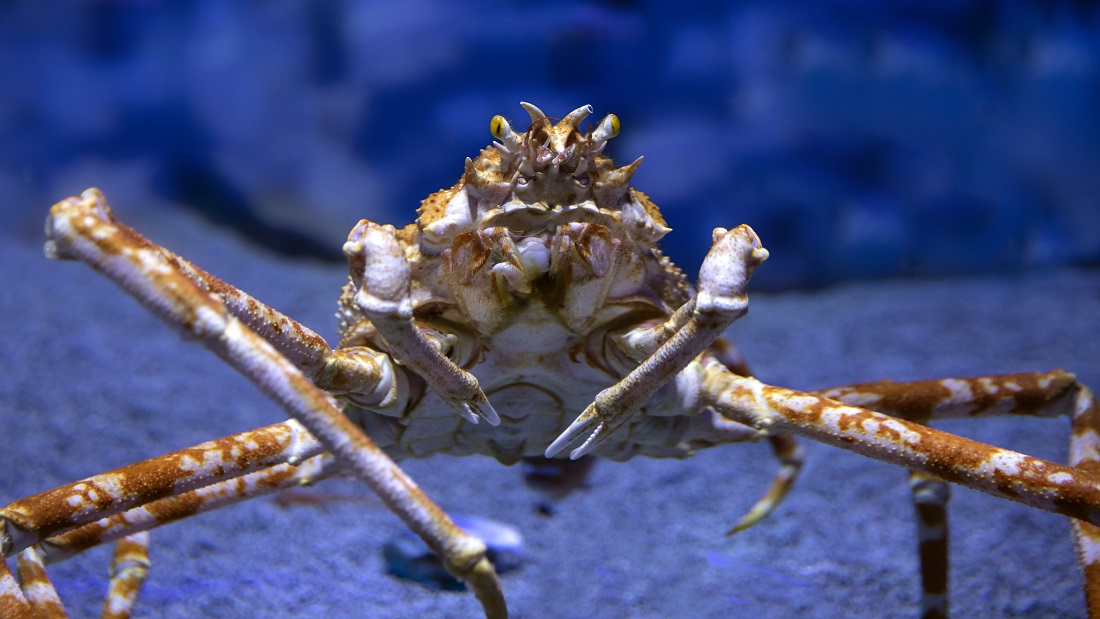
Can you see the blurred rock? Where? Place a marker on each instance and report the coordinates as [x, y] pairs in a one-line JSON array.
[[408, 557]]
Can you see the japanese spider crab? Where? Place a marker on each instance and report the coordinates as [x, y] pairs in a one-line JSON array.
[[535, 283]]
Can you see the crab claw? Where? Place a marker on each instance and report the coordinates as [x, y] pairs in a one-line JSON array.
[[721, 300], [477, 406], [582, 424], [378, 265]]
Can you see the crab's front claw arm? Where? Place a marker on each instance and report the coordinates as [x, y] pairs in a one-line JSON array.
[[381, 272], [721, 299]]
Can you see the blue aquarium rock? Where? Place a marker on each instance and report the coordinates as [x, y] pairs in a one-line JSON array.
[[408, 557]]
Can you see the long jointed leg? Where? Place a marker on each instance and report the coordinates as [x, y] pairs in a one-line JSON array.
[[785, 447], [88, 513], [1084, 453], [130, 528], [1069, 490], [721, 299], [39, 591], [35, 596], [129, 565], [35, 518], [930, 495], [13, 604], [383, 276], [187, 504], [367, 376], [1007, 474], [789, 453], [1033, 394], [85, 229]]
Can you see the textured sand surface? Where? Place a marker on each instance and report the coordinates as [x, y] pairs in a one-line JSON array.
[[91, 382]]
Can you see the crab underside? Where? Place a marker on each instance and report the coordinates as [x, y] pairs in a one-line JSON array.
[[531, 291]]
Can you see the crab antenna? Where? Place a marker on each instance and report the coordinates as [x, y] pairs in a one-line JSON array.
[[536, 113], [576, 116]]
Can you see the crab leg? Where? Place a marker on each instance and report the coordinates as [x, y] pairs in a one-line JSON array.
[[1056, 488], [36, 585], [28, 521], [1032, 394], [128, 569], [383, 275], [789, 453], [1006, 474], [297, 343], [129, 566], [368, 376], [84, 229], [694, 327], [1084, 453], [187, 504], [1050, 394], [13, 604], [130, 563], [930, 496], [784, 446], [1071, 491]]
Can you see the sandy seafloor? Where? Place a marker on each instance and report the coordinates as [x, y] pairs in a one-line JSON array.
[[91, 382]]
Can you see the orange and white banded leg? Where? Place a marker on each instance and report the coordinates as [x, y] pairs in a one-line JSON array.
[[13, 604], [1007, 474], [130, 528], [365, 376], [83, 229], [1084, 453], [128, 569], [930, 495], [186, 504], [33, 519], [37, 588], [85, 514], [1033, 394], [129, 566]]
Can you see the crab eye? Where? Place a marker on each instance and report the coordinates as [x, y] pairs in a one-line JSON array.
[[496, 127], [614, 124]]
